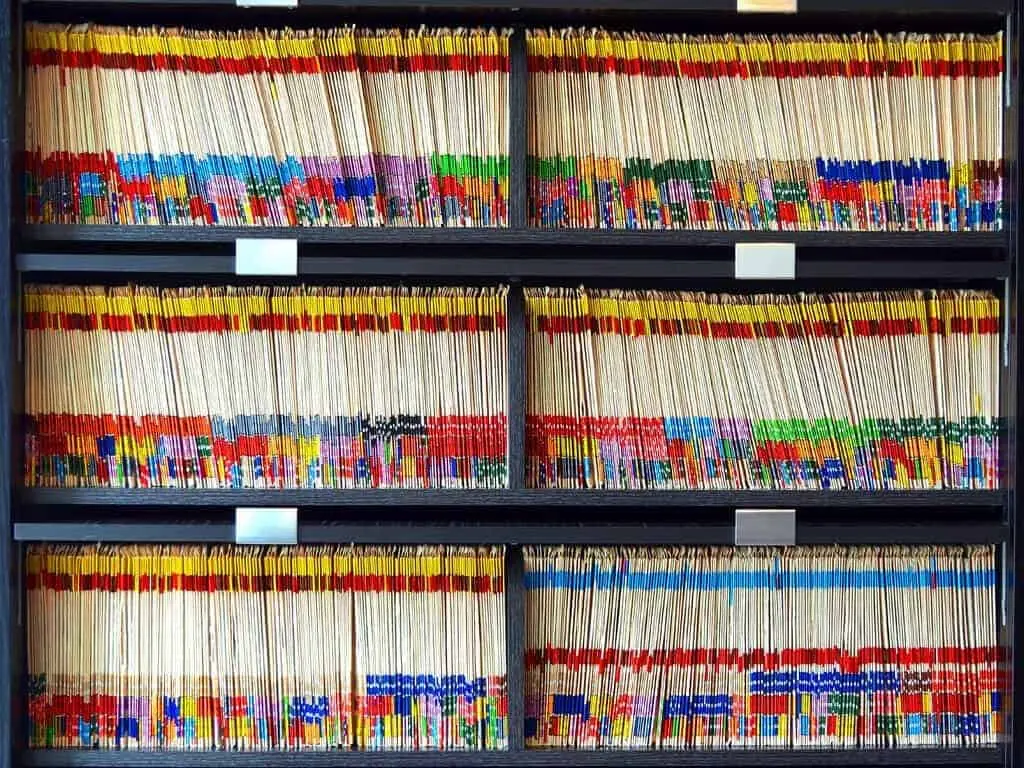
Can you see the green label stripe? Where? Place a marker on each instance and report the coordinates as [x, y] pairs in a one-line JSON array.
[[470, 166]]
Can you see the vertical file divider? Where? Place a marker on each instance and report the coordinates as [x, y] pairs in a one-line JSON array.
[[517, 122], [515, 646], [516, 320], [515, 587]]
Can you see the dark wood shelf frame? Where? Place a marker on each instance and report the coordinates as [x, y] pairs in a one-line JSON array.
[[516, 254]]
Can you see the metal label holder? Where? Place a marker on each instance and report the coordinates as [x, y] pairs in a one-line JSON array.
[[267, 525], [765, 527], [267, 256], [765, 261]]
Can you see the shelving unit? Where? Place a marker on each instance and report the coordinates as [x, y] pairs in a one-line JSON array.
[[518, 255]]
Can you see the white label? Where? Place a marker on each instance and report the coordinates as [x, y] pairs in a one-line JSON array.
[[266, 525], [765, 261], [266, 257], [766, 6], [267, 3], [765, 527]]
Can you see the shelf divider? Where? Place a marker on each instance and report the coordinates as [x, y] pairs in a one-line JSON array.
[[515, 646], [516, 415], [720, 533], [518, 234], [510, 268]]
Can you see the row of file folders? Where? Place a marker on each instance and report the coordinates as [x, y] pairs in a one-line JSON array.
[[391, 127], [309, 387], [342, 647]]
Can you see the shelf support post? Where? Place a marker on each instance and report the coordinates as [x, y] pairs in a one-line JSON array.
[[516, 322], [518, 119], [515, 646]]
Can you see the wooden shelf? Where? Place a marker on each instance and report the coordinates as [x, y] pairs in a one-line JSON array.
[[32, 234], [613, 759]]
